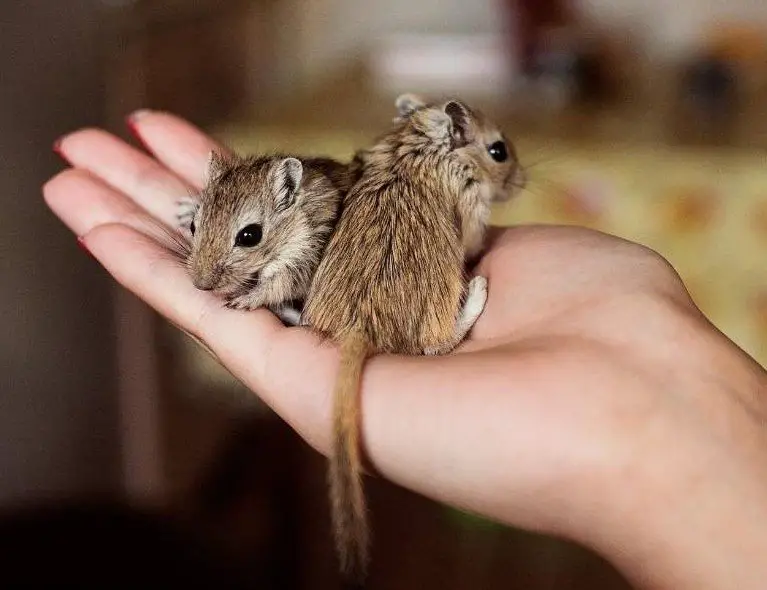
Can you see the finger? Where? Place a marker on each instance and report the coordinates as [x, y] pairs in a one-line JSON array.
[[147, 269], [178, 144], [503, 454], [83, 202], [285, 367], [423, 434], [147, 182]]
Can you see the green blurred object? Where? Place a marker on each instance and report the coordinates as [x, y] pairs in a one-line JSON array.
[[468, 519]]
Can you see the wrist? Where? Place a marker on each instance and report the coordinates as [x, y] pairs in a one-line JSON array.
[[689, 508], [703, 533]]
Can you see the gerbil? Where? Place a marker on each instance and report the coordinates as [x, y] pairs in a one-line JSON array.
[[260, 226], [501, 174], [392, 277]]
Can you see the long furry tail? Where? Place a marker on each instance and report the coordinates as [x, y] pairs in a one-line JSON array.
[[349, 514]]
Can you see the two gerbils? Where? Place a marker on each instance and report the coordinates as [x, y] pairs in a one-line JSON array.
[[376, 249]]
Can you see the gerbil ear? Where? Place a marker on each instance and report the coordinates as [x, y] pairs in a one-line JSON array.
[[407, 104], [209, 166], [216, 164], [289, 173], [462, 131]]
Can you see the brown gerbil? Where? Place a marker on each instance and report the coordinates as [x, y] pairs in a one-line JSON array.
[[500, 175], [260, 226], [392, 277]]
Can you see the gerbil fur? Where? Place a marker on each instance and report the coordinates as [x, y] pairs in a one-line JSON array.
[[290, 204], [392, 277]]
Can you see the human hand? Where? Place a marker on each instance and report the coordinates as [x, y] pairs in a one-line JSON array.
[[593, 401]]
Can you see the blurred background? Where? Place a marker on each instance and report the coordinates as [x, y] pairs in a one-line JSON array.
[[643, 118]]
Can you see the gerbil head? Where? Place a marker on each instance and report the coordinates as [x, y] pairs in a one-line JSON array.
[[240, 227], [471, 135]]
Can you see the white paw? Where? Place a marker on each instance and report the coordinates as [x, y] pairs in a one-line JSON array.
[[476, 297], [289, 315]]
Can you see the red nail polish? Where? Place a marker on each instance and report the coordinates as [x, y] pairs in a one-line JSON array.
[[83, 247], [131, 121], [57, 149], [131, 125]]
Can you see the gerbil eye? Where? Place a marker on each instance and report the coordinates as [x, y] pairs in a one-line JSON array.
[[498, 151], [191, 227], [248, 236]]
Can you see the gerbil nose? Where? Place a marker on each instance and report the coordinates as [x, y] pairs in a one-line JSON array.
[[207, 279]]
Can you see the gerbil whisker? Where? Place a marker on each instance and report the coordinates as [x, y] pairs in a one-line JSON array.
[[547, 154], [547, 183], [173, 241], [540, 187], [548, 161]]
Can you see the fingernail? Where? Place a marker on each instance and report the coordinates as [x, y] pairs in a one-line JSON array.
[[133, 119], [83, 246], [57, 148]]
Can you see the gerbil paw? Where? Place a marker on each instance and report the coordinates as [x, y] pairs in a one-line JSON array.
[[473, 306], [242, 303], [476, 297], [231, 304], [185, 210], [446, 348], [290, 316]]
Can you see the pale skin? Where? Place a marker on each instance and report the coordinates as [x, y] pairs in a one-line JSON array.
[[592, 401]]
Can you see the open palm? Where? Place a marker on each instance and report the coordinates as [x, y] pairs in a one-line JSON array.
[[579, 368]]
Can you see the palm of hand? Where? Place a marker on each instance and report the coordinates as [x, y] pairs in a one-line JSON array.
[[575, 361]]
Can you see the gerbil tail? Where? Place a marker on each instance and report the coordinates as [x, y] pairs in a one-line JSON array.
[[346, 494]]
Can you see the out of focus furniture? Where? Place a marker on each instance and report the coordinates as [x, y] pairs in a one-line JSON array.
[[58, 401], [202, 59]]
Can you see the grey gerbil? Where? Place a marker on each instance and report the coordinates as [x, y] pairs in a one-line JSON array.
[[260, 225]]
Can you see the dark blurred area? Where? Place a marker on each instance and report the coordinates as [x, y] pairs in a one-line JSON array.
[[128, 458]]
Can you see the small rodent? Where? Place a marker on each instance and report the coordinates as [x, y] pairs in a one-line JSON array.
[[491, 151], [259, 228], [393, 274]]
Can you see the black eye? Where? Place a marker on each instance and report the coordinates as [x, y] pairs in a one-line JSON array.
[[191, 227], [249, 236], [498, 151]]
